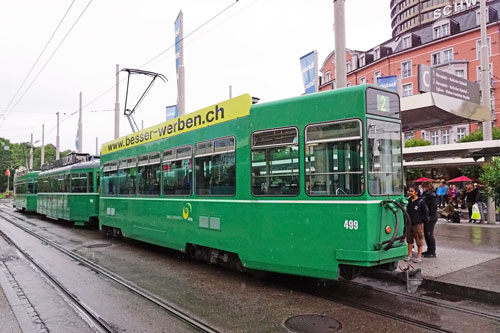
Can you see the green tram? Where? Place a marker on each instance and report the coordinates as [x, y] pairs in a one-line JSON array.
[[68, 189], [25, 190], [309, 186]]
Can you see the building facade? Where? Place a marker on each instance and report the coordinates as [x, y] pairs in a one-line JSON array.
[[449, 41]]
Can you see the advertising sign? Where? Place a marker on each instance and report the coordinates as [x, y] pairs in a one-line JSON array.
[[309, 64], [221, 112], [389, 82], [434, 80]]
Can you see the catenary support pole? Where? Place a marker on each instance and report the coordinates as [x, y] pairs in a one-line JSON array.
[[57, 137], [181, 75], [340, 48], [80, 134], [486, 96], [42, 153], [117, 103], [31, 153]]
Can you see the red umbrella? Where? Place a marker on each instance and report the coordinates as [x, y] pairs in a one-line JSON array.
[[460, 179], [421, 180]]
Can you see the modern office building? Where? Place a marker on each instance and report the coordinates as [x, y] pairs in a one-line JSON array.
[[442, 34]]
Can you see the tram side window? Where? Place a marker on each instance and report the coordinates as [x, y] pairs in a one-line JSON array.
[[216, 167], [127, 172], [79, 182], [20, 188], [43, 185], [177, 170], [109, 178], [334, 159], [275, 162], [32, 187], [148, 175], [90, 176]]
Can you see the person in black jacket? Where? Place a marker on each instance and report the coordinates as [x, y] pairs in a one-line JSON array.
[[430, 199], [471, 196], [418, 212]]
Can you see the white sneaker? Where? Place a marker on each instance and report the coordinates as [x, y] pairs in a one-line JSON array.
[[407, 258], [417, 259]]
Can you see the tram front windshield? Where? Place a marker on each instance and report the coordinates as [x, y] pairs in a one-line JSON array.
[[384, 158]]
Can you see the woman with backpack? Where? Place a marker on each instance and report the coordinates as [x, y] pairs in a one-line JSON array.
[[418, 212], [430, 199]]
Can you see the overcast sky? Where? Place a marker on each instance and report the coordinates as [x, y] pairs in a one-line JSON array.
[[254, 46]]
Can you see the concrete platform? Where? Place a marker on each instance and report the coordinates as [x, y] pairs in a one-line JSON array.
[[467, 262]]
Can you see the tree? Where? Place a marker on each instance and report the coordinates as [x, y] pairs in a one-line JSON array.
[[416, 143], [478, 135], [490, 177]]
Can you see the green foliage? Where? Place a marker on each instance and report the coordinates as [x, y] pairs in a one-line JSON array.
[[416, 143], [478, 135], [490, 177], [473, 171], [18, 154], [412, 174]]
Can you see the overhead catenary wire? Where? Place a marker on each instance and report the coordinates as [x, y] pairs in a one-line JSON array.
[[46, 63], [39, 56], [146, 63]]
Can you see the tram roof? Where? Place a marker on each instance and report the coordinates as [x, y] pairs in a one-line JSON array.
[[428, 109]]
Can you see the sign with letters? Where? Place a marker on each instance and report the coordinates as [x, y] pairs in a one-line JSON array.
[[434, 80]]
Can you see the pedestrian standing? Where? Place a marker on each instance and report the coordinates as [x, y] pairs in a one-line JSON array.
[[430, 199], [471, 196], [441, 193], [418, 212]]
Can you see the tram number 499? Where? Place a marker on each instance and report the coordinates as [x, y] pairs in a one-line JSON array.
[[351, 224]]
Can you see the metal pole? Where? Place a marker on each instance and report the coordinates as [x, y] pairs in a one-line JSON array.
[[57, 137], [117, 103], [96, 146], [31, 153], [142, 124], [230, 92], [340, 49], [181, 79], [486, 96], [42, 153], [80, 134]]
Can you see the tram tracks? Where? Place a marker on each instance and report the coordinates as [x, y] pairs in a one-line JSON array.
[[94, 320]]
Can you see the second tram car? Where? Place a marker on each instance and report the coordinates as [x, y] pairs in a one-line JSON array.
[[310, 185], [68, 189]]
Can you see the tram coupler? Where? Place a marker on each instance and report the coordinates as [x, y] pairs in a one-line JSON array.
[[412, 277]]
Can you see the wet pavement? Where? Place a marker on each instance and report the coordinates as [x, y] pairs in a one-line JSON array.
[[240, 303]]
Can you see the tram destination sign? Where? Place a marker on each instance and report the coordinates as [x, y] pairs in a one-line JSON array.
[[434, 80]]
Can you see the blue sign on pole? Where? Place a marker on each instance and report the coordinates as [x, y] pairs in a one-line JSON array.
[[172, 112], [177, 45], [308, 66], [389, 82]]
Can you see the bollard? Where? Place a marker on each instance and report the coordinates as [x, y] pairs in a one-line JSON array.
[[413, 278]]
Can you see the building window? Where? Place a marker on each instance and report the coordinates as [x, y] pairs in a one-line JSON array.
[[407, 89], [348, 66], [362, 61], [362, 80], [407, 42], [435, 137], [441, 30], [328, 77], [376, 54], [436, 58], [479, 74], [445, 133], [478, 16], [376, 75], [422, 135], [460, 73], [448, 55], [478, 47], [406, 68], [461, 133]]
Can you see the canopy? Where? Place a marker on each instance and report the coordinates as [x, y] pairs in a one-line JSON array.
[[460, 179], [421, 180]]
